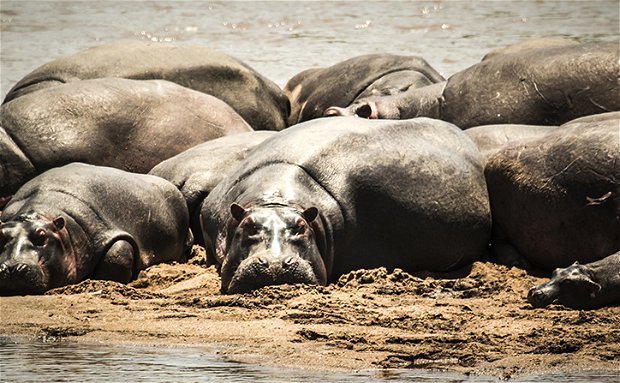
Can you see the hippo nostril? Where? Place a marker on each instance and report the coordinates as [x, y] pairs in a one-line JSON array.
[[21, 268], [262, 261], [289, 261]]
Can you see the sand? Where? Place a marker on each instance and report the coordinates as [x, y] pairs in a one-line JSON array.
[[475, 320]]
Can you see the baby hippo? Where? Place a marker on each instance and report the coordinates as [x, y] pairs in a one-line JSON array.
[[578, 286]]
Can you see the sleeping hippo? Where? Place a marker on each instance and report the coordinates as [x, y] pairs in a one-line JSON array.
[[581, 287], [333, 195], [82, 221], [544, 86], [556, 199], [312, 91], [127, 124], [196, 171], [258, 100]]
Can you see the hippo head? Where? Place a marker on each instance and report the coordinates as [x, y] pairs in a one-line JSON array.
[[374, 107], [572, 287], [271, 245], [32, 258]]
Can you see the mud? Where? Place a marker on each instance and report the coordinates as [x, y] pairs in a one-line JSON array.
[[475, 320]]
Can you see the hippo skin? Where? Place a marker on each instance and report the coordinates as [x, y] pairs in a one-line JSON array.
[[333, 195], [581, 287], [196, 171], [556, 199], [82, 221], [544, 86], [127, 124], [491, 138], [313, 90], [257, 99]]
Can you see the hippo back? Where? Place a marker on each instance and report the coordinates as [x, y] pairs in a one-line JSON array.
[[126, 124], [258, 100], [555, 198]]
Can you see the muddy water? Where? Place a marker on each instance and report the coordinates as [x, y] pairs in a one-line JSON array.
[[279, 39], [36, 361]]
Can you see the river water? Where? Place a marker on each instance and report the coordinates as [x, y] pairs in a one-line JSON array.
[[278, 39]]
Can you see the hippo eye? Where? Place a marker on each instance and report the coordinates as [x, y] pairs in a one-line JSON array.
[[39, 238], [300, 228]]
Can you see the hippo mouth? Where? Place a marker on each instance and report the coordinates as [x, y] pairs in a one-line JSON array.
[[542, 296], [256, 272], [22, 279]]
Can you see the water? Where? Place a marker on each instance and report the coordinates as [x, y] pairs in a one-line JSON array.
[[278, 39], [36, 361]]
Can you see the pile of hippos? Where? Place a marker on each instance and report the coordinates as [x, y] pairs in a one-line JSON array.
[[375, 161]]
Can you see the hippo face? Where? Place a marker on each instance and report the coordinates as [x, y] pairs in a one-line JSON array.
[[572, 286], [32, 257], [373, 107], [272, 245]]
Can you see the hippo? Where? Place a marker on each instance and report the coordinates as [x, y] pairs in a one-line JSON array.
[[332, 195], [127, 124], [581, 287], [313, 90], [544, 86], [257, 99], [83, 221], [196, 171], [556, 199], [491, 138]]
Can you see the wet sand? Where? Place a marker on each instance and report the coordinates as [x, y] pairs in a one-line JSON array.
[[475, 320]]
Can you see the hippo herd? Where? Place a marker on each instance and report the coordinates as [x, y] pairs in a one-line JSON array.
[[125, 155]]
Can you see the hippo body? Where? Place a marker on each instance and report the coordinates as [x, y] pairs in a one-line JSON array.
[[312, 91], [196, 171], [81, 221], [544, 86], [556, 199], [581, 287], [333, 195], [258, 100], [491, 138], [127, 124]]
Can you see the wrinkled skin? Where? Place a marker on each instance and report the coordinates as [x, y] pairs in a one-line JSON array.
[[81, 221], [581, 287], [126, 124], [272, 245], [312, 91], [196, 171], [491, 138], [378, 188], [544, 86], [258, 100]]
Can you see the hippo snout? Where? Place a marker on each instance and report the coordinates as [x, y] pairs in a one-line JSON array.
[[21, 278], [263, 270], [541, 296]]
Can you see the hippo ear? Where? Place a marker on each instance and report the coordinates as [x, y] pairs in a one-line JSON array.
[[237, 211], [310, 214], [59, 223]]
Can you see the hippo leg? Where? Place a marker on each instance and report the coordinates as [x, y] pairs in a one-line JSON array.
[[506, 254], [117, 263]]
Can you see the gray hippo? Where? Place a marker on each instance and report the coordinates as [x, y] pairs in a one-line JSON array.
[[312, 91], [258, 100], [545, 86], [127, 124], [581, 287], [556, 199], [82, 221], [196, 171], [491, 138], [333, 195]]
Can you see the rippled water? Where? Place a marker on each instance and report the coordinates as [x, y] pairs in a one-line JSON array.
[[278, 39], [36, 361]]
